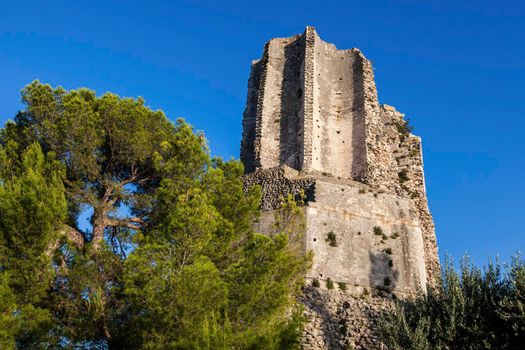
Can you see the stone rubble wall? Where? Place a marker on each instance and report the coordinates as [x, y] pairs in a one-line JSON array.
[[261, 77], [277, 183], [342, 320], [308, 100], [396, 166]]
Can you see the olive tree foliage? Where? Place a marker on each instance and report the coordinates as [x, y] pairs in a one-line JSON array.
[[473, 309], [170, 261]]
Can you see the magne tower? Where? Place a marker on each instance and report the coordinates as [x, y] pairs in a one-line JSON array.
[[313, 123]]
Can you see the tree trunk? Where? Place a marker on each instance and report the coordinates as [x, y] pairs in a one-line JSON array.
[[99, 226]]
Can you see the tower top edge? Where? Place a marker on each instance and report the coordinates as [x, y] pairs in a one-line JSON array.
[[309, 32]]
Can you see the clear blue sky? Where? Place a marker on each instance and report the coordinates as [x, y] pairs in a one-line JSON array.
[[456, 68]]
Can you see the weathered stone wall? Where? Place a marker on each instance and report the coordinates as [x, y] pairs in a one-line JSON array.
[[334, 115], [342, 320], [396, 166], [308, 101], [379, 245], [273, 132], [277, 183], [291, 123]]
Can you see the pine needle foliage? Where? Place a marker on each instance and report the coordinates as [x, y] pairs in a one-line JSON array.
[[180, 268]]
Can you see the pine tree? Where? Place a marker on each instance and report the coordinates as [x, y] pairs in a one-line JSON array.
[[32, 209], [170, 260]]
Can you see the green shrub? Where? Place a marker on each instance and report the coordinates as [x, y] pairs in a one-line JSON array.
[[315, 283], [388, 251], [332, 239], [403, 176], [473, 308], [378, 231], [404, 127], [329, 283], [394, 235], [342, 286]]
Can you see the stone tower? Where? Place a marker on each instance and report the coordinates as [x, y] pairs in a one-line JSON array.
[[313, 124]]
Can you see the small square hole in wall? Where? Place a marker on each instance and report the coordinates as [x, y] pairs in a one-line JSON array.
[[321, 275], [315, 239]]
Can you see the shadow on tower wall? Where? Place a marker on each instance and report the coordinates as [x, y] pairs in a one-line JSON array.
[[291, 115], [383, 276]]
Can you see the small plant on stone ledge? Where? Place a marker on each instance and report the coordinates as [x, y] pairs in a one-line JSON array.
[[341, 286], [362, 190], [394, 235], [332, 239], [329, 283], [388, 251], [404, 127], [315, 283], [403, 176], [378, 231]]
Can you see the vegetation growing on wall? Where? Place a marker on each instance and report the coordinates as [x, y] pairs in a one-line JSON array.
[[404, 127], [331, 238], [378, 231], [403, 176]]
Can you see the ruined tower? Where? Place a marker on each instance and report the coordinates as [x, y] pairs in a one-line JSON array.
[[313, 124]]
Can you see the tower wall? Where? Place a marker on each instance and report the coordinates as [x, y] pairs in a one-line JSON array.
[[336, 123], [313, 125], [314, 108], [390, 259]]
